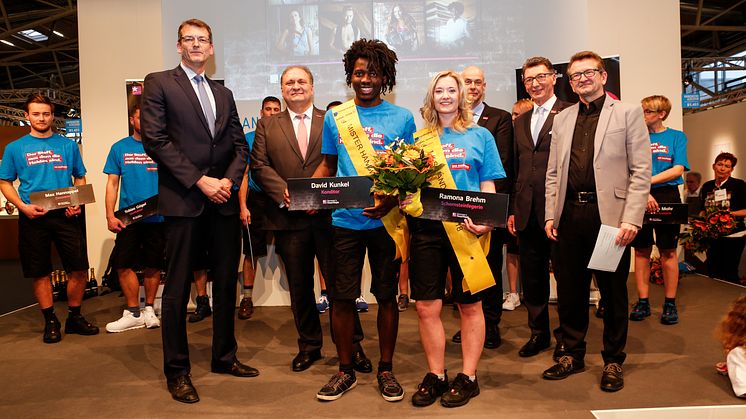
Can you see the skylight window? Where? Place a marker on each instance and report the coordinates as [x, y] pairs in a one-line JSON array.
[[33, 35]]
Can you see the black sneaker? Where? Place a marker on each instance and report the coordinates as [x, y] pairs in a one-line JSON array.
[[462, 389], [52, 332], [640, 310], [390, 389], [403, 302], [670, 314], [203, 309], [78, 324], [429, 390], [339, 384]]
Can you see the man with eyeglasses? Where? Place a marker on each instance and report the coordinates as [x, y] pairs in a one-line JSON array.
[[533, 135], [190, 127], [598, 173], [500, 124]]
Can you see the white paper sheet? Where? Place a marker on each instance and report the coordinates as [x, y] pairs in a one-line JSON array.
[[607, 254]]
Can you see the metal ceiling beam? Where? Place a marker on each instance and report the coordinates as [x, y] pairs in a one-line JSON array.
[[714, 28], [714, 64], [15, 114], [717, 16], [69, 44], [30, 25]]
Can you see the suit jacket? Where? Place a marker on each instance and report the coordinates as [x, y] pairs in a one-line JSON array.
[[175, 134], [622, 163], [275, 157], [500, 124], [530, 167]]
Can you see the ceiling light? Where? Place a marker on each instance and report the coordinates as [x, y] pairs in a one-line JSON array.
[[58, 34], [7, 42], [33, 35]]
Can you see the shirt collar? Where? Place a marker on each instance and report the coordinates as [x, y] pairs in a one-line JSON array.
[[308, 112], [189, 72], [593, 107], [477, 110], [548, 105]]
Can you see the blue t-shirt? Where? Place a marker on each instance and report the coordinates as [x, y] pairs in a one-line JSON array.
[[383, 124], [669, 150], [250, 141], [41, 164], [138, 173], [471, 156]]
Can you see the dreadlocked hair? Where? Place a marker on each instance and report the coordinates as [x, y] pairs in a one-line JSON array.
[[379, 56]]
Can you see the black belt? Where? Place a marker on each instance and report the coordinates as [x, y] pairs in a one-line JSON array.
[[582, 197]]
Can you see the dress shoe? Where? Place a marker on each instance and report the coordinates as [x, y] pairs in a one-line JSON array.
[[492, 338], [203, 309], [457, 337], [559, 351], [535, 344], [361, 363], [564, 368], [236, 369], [78, 324], [52, 332], [612, 378], [304, 360], [245, 308], [182, 390]]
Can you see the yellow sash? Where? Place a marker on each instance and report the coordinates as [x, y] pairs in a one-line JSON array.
[[470, 250], [361, 153]]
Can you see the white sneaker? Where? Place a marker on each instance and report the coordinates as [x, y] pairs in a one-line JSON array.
[[151, 320], [127, 322], [511, 302]]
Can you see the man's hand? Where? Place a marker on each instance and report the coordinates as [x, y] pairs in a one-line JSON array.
[[245, 215], [477, 229], [72, 211], [551, 231], [511, 225], [32, 211], [383, 204], [627, 233], [115, 224], [652, 206], [286, 198], [215, 189]]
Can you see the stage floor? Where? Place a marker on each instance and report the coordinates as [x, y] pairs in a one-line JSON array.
[[120, 375]]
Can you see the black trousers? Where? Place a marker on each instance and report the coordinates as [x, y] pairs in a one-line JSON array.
[[535, 251], [578, 230], [724, 257], [187, 238], [492, 297]]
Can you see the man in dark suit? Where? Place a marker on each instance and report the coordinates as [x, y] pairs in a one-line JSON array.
[[499, 123], [533, 134], [288, 145], [190, 127]]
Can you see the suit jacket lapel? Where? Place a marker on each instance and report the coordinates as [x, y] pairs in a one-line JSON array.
[[570, 128], [221, 110], [603, 123], [289, 133], [183, 81]]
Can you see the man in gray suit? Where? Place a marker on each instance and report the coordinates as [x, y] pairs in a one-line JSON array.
[[598, 173]]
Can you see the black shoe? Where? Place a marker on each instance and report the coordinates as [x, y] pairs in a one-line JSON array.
[[565, 367], [535, 344], [390, 389], [236, 369], [78, 324], [361, 363], [492, 338], [203, 310], [245, 308], [429, 390], [304, 360], [52, 332], [559, 351], [462, 389], [612, 378], [457, 337], [182, 390], [339, 384]]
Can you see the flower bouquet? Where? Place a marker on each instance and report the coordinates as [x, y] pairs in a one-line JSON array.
[[656, 271], [403, 169], [706, 229]]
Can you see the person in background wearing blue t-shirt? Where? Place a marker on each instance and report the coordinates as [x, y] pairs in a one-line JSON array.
[[370, 68], [141, 244], [668, 147], [252, 200], [42, 161], [474, 162]]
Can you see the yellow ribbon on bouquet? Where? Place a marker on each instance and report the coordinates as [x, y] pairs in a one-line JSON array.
[[471, 251], [363, 156]]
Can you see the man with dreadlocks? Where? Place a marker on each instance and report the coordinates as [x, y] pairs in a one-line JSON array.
[[370, 70]]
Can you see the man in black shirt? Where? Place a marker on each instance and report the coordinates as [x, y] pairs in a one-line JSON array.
[[598, 173]]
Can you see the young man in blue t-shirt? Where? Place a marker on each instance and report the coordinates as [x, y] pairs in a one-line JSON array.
[[370, 70], [42, 161], [141, 244]]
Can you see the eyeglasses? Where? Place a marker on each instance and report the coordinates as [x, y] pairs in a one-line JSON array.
[[541, 78], [474, 82], [587, 73], [203, 40]]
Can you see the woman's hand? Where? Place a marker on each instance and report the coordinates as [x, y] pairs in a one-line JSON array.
[[477, 229]]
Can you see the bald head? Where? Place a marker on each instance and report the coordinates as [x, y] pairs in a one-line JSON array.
[[475, 84]]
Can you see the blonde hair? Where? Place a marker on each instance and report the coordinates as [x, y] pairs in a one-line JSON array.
[[657, 103], [524, 105], [430, 115]]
